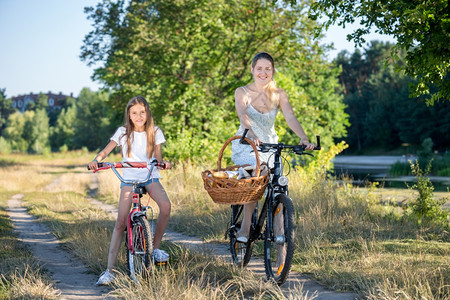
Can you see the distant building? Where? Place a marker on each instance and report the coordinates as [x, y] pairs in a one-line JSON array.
[[55, 101]]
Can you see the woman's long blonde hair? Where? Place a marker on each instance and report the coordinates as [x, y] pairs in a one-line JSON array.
[[149, 125], [272, 90]]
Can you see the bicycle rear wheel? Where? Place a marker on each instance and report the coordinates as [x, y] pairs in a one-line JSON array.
[[240, 252], [138, 259], [279, 240]]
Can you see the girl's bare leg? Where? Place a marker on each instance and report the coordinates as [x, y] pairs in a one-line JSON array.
[[159, 195], [121, 224]]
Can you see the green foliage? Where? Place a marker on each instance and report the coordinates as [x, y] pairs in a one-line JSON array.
[[422, 29], [64, 132], [92, 121], [425, 208], [188, 57], [5, 110], [400, 168], [381, 113], [40, 133], [5, 146], [14, 131]]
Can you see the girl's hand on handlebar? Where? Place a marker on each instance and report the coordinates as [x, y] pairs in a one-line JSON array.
[[93, 165], [309, 146], [167, 165]]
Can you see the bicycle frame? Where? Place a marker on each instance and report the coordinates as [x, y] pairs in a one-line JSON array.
[[273, 188], [137, 209]]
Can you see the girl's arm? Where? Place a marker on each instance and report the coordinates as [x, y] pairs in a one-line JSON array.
[[158, 155], [292, 121], [241, 109], [93, 165]]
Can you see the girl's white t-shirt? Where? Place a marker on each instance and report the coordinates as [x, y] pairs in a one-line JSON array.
[[138, 152]]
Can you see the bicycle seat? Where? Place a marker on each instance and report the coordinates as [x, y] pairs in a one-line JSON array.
[[140, 189]]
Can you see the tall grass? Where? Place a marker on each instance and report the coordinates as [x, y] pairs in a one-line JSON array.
[[344, 238]]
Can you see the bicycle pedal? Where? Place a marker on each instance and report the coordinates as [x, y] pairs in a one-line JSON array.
[[160, 263]]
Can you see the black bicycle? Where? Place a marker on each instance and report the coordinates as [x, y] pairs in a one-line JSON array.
[[277, 214]]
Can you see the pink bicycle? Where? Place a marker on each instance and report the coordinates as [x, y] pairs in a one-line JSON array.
[[139, 234]]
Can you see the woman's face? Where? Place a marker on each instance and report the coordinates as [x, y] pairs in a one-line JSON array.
[[262, 71], [138, 116]]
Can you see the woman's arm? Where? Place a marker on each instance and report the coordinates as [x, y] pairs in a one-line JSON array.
[[292, 121], [93, 165], [240, 101]]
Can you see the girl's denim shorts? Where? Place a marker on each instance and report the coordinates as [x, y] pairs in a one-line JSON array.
[[145, 183]]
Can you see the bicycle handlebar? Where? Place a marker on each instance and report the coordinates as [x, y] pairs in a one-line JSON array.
[[117, 165], [265, 147]]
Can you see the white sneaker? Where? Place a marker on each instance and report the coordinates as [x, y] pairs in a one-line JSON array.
[[105, 278], [241, 238], [160, 255]]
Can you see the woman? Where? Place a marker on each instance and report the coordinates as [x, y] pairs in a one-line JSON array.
[[257, 105]]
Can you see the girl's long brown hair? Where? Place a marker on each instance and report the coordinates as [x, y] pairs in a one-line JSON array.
[[149, 125], [272, 90]]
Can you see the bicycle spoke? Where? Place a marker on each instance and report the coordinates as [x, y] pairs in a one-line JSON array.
[[138, 260]]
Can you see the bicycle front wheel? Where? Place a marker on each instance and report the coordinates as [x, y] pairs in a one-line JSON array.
[[279, 240], [138, 259], [240, 252]]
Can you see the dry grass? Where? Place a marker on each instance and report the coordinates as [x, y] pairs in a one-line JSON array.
[[21, 276], [27, 284], [344, 239], [196, 276]]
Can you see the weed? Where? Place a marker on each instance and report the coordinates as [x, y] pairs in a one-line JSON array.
[[425, 208]]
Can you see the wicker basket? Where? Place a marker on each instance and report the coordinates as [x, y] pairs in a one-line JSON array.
[[234, 191]]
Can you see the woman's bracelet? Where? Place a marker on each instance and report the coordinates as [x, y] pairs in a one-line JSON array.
[[95, 159]]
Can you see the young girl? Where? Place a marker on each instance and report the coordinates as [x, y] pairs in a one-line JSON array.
[[140, 140]]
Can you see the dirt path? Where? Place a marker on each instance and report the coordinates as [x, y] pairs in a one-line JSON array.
[[69, 275]]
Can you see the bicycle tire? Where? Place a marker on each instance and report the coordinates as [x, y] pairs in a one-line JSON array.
[[275, 266], [240, 252], [138, 260]]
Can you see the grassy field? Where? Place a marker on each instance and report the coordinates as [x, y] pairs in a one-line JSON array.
[[345, 238]]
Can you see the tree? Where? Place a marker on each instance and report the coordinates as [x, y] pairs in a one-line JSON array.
[[381, 113], [5, 109], [188, 57], [421, 28], [63, 132], [14, 131], [40, 132], [92, 121]]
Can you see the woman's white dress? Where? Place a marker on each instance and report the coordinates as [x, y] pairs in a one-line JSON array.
[[263, 125]]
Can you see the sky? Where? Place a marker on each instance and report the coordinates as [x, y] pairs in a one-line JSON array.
[[40, 43]]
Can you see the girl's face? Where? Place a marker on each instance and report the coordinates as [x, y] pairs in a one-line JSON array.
[[262, 71], [138, 116]]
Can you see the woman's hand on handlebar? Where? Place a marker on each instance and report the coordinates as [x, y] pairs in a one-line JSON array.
[[254, 138], [309, 146]]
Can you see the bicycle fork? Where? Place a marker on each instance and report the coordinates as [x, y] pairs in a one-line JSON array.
[[135, 211]]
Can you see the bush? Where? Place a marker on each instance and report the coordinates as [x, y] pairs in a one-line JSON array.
[[425, 208], [5, 146]]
